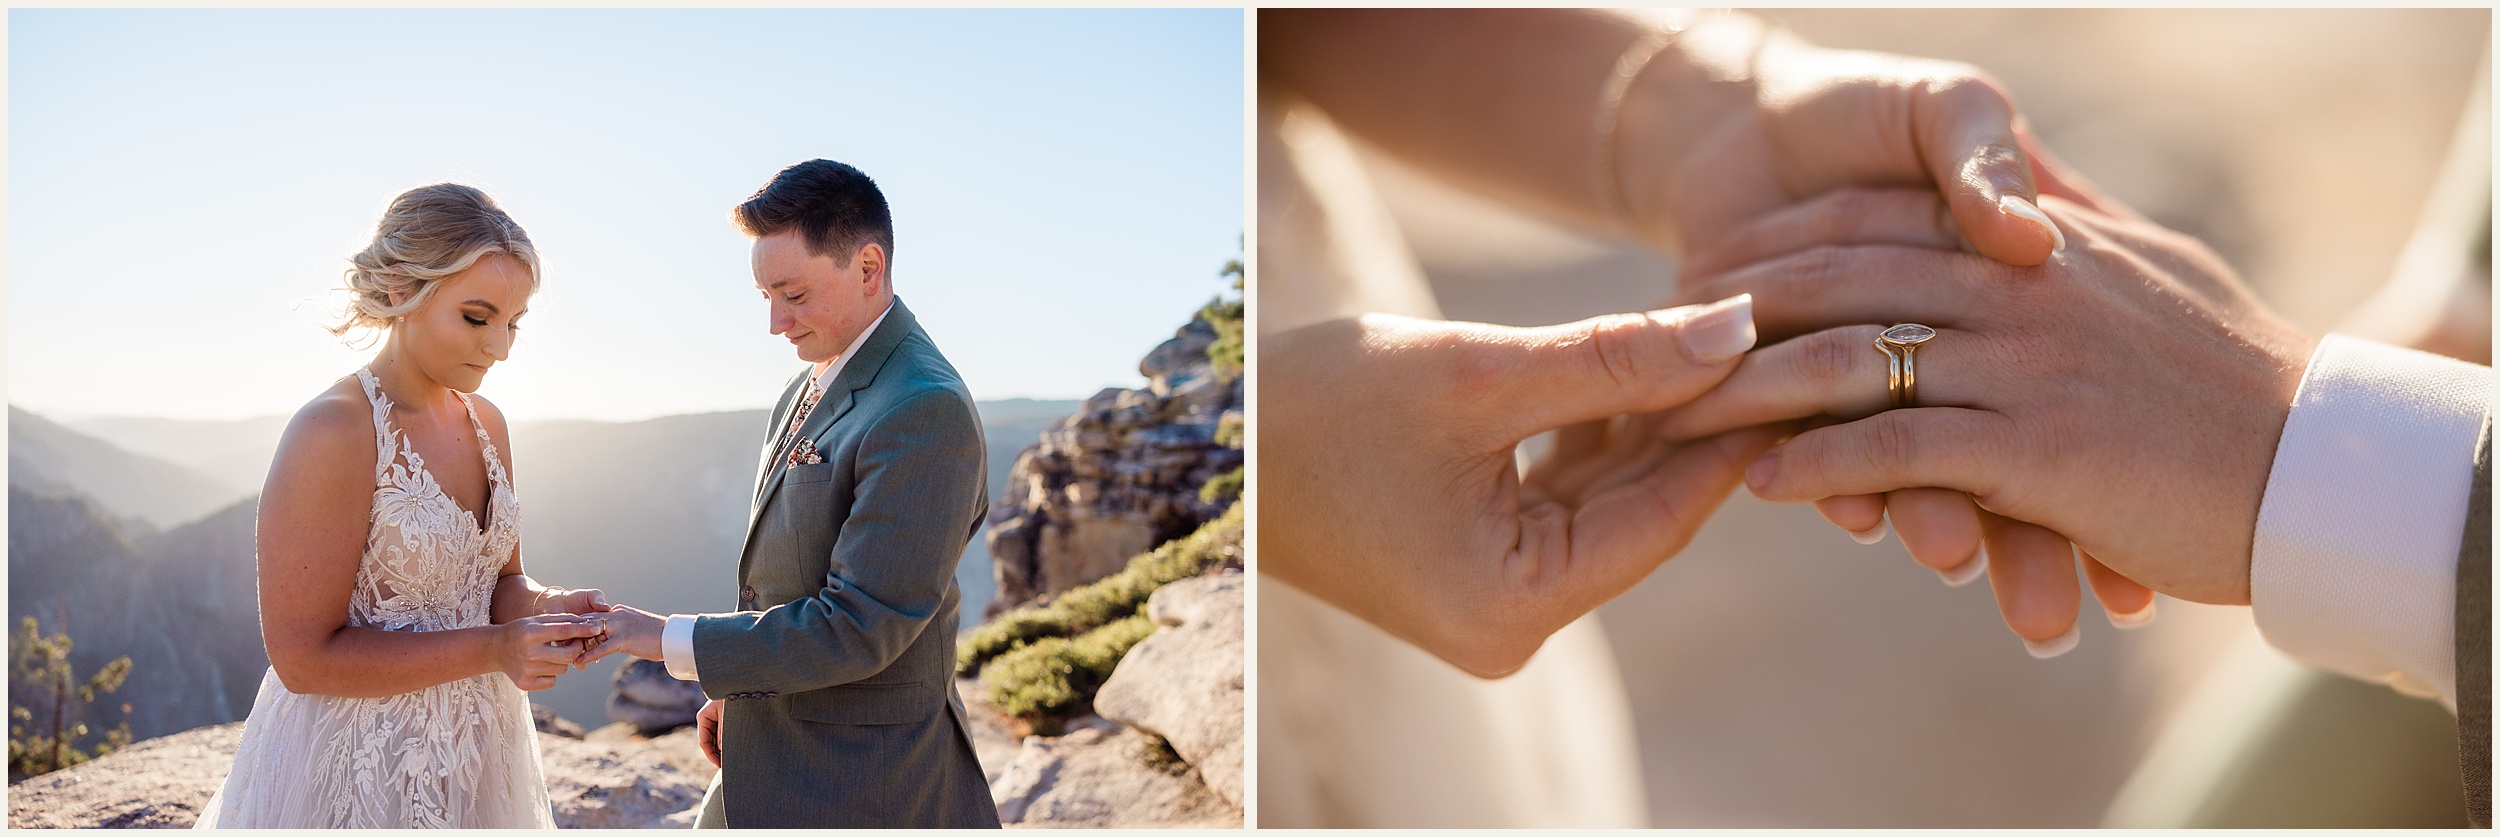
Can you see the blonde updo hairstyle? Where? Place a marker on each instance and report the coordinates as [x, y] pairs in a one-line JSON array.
[[427, 234]]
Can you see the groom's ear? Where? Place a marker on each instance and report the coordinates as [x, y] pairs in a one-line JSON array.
[[871, 261]]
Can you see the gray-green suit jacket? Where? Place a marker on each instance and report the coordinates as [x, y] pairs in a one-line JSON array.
[[837, 670]]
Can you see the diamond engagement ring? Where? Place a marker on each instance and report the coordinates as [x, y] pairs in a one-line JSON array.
[[1900, 347]]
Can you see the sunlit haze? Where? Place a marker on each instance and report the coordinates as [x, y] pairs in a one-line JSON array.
[[186, 184]]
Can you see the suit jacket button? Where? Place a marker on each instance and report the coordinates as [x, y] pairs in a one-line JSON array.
[[746, 595]]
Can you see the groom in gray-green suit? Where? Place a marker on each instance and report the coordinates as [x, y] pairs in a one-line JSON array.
[[832, 684]]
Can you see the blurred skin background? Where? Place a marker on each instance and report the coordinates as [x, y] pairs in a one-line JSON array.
[[1776, 673]]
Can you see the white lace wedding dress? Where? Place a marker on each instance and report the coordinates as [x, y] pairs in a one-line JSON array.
[[459, 754]]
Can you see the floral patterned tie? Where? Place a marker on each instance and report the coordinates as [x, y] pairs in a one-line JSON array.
[[798, 418]]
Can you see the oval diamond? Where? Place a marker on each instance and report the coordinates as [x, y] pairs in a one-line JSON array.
[[1909, 334]]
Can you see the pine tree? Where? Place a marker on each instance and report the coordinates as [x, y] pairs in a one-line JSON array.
[[40, 744]]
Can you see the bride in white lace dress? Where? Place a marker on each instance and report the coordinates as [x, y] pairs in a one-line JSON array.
[[401, 631]]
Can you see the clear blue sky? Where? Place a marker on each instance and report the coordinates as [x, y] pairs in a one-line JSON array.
[[185, 184]]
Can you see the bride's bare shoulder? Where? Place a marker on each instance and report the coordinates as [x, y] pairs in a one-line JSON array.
[[332, 433]]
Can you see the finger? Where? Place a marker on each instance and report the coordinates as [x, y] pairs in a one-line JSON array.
[[1835, 372], [1861, 515], [1618, 536], [594, 655], [1598, 368], [1965, 129], [2032, 571], [598, 601], [1901, 217], [544, 632], [1972, 451], [1941, 530], [1827, 287], [2126, 603]]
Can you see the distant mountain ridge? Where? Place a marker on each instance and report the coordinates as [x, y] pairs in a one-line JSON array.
[[46, 455], [650, 511]]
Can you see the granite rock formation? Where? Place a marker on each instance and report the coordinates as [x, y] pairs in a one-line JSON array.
[[649, 699], [1117, 478], [1185, 682]]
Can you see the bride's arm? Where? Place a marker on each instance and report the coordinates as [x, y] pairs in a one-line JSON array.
[[313, 517], [518, 596]]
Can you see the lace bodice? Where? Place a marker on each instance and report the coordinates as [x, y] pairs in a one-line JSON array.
[[427, 566], [456, 754]]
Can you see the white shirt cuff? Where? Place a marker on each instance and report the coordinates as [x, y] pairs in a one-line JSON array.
[[677, 646], [2355, 559]]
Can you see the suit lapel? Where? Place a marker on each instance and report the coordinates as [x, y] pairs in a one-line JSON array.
[[772, 435], [838, 399]]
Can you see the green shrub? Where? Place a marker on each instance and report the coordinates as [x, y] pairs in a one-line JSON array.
[[1102, 602], [1230, 431], [1222, 489], [1057, 676], [1226, 316]]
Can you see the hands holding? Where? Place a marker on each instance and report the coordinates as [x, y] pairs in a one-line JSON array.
[[2127, 395], [535, 650], [1388, 442], [630, 630]]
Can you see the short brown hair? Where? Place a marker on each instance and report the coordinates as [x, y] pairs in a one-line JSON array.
[[835, 207]]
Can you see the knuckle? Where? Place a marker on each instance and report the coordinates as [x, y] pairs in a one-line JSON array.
[[1959, 84], [1821, 266], [1829, 357], [1617, 344], [1892, 444]]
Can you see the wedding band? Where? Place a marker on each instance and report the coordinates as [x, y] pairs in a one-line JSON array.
[[1900, 347]]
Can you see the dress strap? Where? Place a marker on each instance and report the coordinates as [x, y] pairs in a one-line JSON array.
[[485, 444], [385, 450]]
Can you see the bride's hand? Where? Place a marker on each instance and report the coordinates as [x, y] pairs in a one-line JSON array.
[[1386, 447], [535, 650], [2128, 393], [567, 600]]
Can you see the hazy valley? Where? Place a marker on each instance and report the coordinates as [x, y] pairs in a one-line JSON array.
[[140, 530]]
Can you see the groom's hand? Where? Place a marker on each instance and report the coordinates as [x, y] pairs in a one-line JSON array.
[[707, 731], [631, 630]]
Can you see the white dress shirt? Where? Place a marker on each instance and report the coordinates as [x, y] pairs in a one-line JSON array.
[[2355, 560], [677, 637]]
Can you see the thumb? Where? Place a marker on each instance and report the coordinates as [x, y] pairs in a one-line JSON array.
[[1967, 129], [1619, 363]]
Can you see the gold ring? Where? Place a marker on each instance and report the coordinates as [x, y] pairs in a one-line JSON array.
[[1900, 347]]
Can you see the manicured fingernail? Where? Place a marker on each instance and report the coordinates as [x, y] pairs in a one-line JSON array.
[[2131, 621], [2019, 208], [2055, 645], [1873, 534], [1968, 572], [1764, 467], [1719, 331]]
